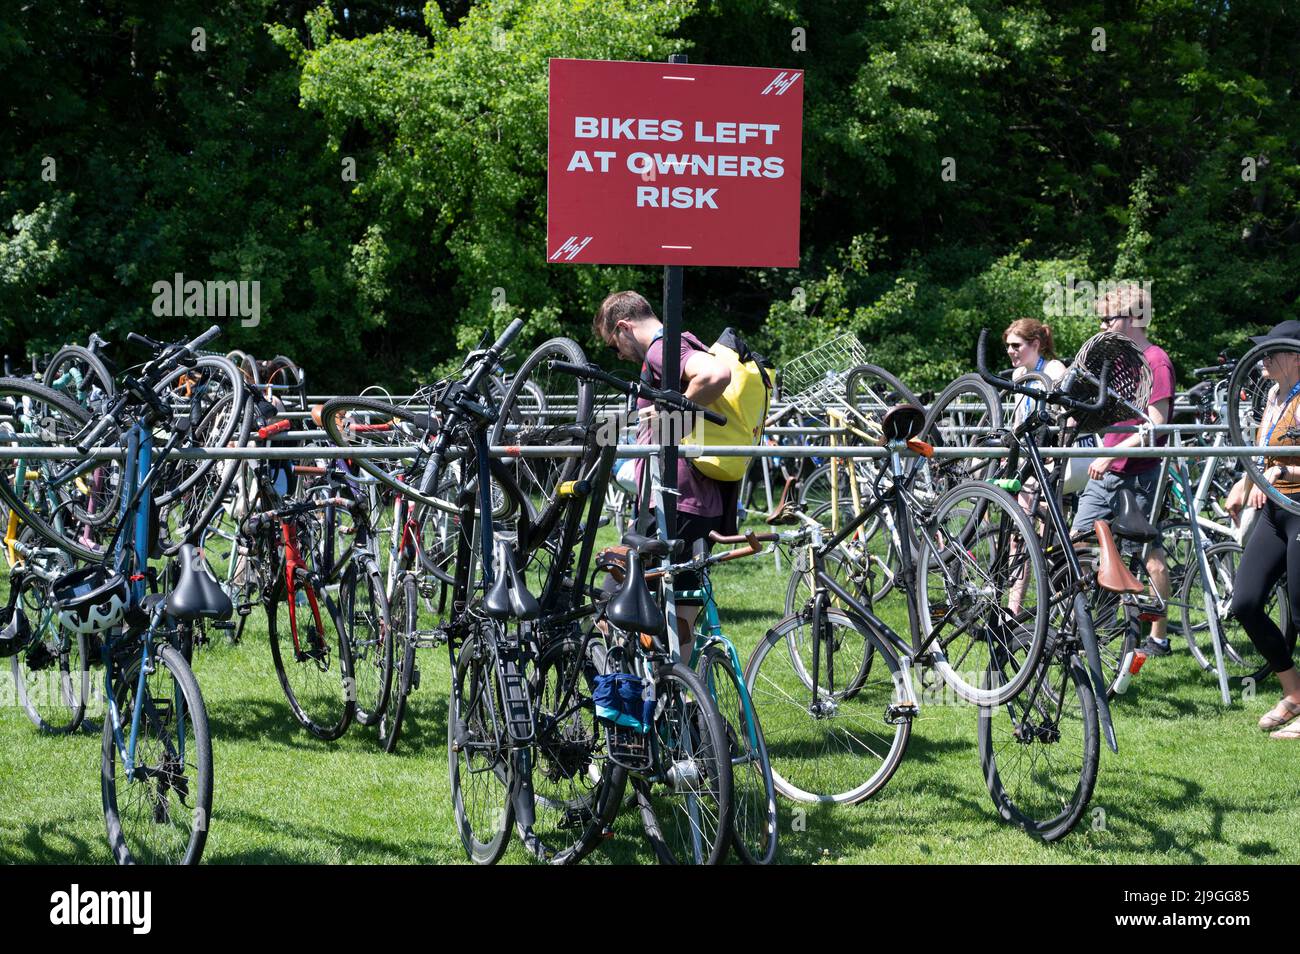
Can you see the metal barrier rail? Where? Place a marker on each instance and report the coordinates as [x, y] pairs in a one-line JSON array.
[[628, 450]]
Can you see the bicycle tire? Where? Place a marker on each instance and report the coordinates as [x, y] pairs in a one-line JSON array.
[[52, 675], [527, 420], [777, 692], [321, 705], [391, 426], [1241, 659], [483, 821], [363, 607], [404, 615], [753, 802], [1247, 397], [63, 421], [128, 846], [1013, 547], [1037, 725], [671, 824], [572, 793], [968, 402]]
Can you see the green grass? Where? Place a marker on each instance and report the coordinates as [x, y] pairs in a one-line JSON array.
[[1193, 783]]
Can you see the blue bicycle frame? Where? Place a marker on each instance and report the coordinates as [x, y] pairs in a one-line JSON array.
[[131, 556]]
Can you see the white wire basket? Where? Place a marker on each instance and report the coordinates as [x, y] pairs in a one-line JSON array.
[[816, 378]]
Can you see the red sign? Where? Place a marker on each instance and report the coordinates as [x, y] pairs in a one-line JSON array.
[[673, 164]]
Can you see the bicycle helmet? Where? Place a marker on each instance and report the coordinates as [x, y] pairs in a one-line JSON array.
[[15, 631], [91, 600]]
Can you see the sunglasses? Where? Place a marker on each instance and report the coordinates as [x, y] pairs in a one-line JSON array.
[[1015, 345], [1110, 318]]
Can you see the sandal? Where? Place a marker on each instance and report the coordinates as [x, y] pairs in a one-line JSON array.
[[1291, 732], [1271, 721]]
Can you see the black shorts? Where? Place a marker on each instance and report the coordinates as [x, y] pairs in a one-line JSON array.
[[690, 528]]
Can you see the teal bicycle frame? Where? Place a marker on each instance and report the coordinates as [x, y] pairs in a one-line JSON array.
[[710, 633]]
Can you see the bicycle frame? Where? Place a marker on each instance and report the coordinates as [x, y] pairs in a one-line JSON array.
[[131, 556]]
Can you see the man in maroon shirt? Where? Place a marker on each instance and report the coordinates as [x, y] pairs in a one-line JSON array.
[[629, 327], [1127, 310]]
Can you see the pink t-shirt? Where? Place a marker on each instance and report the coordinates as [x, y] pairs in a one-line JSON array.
[[698, 494], [1162, 389]]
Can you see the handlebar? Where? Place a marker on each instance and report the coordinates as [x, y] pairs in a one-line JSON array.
[[639, 389], [1057, 396]]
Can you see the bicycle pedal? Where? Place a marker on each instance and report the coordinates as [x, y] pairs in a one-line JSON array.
[[227, 625], [898, 714]]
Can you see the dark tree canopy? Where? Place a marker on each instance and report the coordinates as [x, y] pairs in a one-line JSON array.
[[1156, 141]]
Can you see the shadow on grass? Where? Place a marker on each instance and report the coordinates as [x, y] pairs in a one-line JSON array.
[[50, 842]]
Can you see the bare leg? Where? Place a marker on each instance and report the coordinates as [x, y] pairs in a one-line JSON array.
[[1159, 571]]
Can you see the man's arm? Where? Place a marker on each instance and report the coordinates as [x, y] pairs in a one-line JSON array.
[[706, 378], [1158, 413]]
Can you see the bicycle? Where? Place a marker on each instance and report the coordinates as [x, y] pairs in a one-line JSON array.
[[820, 695]]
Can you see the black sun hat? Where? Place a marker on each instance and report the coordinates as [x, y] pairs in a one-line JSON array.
[[1283, 329]]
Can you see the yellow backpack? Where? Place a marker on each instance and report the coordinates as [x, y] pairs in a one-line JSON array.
[[744, 404]]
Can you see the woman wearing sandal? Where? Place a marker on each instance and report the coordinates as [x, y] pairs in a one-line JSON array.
[[1273, 546]]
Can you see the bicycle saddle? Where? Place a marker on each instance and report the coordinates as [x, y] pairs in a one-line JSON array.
[[903, 422], [197, 594], [1112, 575], [652, 546], [633, 609], [1130, 522], [786, 511], [508, 596]]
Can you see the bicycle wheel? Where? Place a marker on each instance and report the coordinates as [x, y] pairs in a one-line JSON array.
[[573, 793], [52, 675], [212, 395], [1039, 752], [47, 494], [843, 565], [980, 556], [686, 806], [816, 745], [80, 374], [873, 392], [1248, 393], [753, 799], [186, 509], [315, 670], [363, 607], [482, 770], [404, 614], [1240, 657], [158, 812], [369, 424], [965, 412], [545, 407]]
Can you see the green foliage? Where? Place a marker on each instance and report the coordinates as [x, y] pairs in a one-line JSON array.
[[1169, 155]]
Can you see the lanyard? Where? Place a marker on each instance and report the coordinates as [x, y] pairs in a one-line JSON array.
[[1295, 389], [1023, 403]]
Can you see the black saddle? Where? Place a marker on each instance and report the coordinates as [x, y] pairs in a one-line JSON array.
[[903, 422], [652, 546], [1129, 521], [633, 608], [508, 596], [197, 594]]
